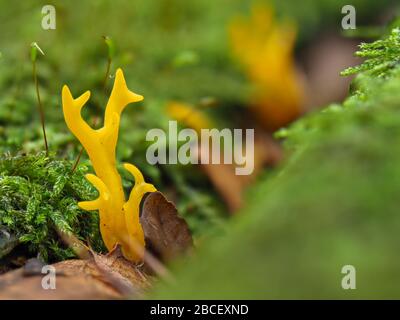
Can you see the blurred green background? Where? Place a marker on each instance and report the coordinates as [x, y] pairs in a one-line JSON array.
[[169, 50]]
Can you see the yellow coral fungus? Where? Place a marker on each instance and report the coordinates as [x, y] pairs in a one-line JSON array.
[[188, 115], [119, 219], [265, 50]]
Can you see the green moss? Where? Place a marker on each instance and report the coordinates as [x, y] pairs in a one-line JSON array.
[[332, 203], [38, 196], [382, 56]]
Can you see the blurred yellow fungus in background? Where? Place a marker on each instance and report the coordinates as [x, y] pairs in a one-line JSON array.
[[264, 48], [188, 115]]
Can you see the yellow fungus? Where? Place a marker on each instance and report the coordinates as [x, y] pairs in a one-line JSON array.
[[264, 48], [188, 115], [119, 218]]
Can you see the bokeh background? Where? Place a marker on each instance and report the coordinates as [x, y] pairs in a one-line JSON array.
[[223, 63], [172, 51]]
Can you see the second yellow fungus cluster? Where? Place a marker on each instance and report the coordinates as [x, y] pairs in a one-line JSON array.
[[264, 47]]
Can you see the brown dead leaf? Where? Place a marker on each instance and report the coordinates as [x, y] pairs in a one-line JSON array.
[[230, 186], [77, 285], [166, 234], [99, 277], [227, 184], [121, 274]]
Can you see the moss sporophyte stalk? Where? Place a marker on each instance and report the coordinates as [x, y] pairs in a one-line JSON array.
[[119, 218]]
